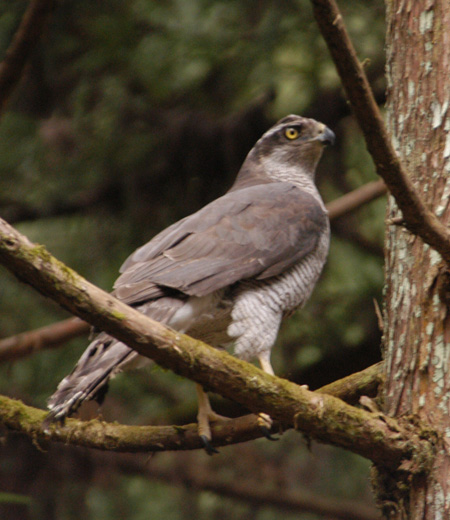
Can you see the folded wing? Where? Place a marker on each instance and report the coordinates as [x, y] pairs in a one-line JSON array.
[[256, 232]]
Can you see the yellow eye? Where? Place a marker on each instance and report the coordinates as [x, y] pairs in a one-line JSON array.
[[291, 133]]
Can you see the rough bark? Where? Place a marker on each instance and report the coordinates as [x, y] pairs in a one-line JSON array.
[[417, 320]]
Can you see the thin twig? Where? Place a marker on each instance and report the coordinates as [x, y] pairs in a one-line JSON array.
[[379, 314], [23, 44], [418, 219]]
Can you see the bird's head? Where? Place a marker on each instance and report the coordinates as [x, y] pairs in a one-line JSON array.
[[294, 144]]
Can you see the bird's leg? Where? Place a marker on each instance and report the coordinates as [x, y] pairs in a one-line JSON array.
[[264, 420], [205, 416], [264, 361]]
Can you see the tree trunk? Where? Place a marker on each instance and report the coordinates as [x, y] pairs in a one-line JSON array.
[[417, 320]]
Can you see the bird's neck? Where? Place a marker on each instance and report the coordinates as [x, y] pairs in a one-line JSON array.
[[301, 178], [257, 170]]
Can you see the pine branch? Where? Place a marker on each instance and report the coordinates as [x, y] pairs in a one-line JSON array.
[[23, 44], [418, 219], [382, 439]]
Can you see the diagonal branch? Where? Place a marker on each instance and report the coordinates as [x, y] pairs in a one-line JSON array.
[[417, 218], [23, 44], [379, 438]]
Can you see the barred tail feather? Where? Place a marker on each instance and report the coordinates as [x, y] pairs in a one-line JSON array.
[[103, 358]]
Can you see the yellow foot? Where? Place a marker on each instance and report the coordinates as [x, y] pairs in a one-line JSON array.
[[265, 424], [205, 417]]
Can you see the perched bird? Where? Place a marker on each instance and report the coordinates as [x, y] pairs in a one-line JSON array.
[[230, 272]]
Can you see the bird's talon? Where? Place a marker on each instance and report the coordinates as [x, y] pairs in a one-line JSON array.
[[208, 447], [265, 424], [266, 432]]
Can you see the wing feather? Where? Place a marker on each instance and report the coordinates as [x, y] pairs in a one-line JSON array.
[[258, 231]]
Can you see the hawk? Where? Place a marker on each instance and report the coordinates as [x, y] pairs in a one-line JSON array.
[[227, 274]]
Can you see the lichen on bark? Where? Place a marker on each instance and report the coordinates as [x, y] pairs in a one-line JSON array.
[[417, 320]]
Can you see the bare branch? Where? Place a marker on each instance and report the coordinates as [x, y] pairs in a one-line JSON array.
[[248, 492], [351, 388], [23, 44], [355, 199], [51, 336], [418, 219], [379, 438]]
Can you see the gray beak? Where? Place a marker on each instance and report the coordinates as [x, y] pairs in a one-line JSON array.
[[327, 136]]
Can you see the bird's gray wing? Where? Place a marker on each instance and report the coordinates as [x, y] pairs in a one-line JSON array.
[[259, 231]]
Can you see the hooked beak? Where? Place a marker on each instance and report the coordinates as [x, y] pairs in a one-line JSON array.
[[326, 137]]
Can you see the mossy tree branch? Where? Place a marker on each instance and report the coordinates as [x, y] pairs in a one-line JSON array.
[[18, 417], [360, 430]]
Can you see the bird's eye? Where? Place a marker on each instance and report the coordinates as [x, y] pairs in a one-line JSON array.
[[291, 133]]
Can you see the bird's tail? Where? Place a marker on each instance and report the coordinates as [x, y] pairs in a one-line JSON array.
[[103, 358]]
